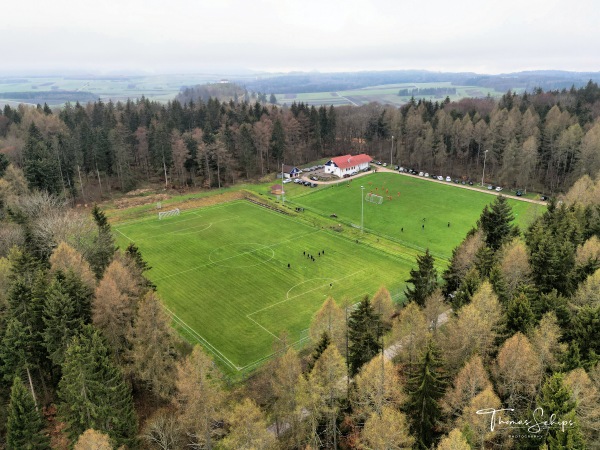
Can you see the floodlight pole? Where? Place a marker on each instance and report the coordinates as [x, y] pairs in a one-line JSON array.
[[483, 174], [362, 208], [282, 187], [392, 150]]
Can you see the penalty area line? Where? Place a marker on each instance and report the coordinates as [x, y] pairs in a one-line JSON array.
[[201, 339]]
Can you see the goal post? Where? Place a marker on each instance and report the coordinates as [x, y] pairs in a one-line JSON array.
[[171, 213], [377, 199]]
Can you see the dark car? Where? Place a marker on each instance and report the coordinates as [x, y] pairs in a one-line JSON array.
[[306, 183], [470, 183], [519, 193], [314, 178], [313, 184], [544, 198]]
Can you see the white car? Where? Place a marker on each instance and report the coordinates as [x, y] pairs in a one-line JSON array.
[[287, 180], [426, 175], [448, 179], [440, 178], [421, 174], [498, 189]]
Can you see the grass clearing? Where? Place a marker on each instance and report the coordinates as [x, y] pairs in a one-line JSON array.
[[222, 272], [421, 208]]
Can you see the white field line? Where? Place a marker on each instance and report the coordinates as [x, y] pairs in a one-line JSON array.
[[276, 337], [270, 355], [304, 292], [202, 340], [127, 237], [234, 256], [156, 224], [307, 281]]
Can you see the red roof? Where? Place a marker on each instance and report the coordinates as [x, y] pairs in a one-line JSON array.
[[343, 162]]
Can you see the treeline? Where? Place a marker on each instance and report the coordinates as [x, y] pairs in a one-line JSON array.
[[542, 140], [88, 358], [417, 92]]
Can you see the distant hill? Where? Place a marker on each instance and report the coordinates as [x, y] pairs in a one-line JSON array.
[[50, 97], [323, 82]]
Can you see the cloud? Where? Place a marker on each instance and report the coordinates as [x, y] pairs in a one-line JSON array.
[[301, 35]]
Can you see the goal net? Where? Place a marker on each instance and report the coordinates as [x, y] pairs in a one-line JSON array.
[[377, 199], [165, 214]]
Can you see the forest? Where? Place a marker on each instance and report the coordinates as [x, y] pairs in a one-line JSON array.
[[88, 357], [541, 141]]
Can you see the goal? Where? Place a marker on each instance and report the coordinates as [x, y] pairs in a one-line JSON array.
[[377, 199], [165, 214]]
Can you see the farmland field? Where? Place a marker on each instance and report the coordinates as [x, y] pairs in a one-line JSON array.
[[387, 94], [401, 218], [223, 274]]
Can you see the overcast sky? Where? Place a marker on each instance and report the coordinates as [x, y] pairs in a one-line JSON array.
[[175, 36]]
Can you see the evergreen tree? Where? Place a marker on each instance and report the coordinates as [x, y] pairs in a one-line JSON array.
[[277, 144], [495, 221], [92, 391], [319, 349], [39, 164], [104, 245], [484, 261], [426, 387], [3, 164], [467, 289], [424, 279], [61, 322], [519, 315], [585, 331], [556, 399], [364, 334], [24, 427]]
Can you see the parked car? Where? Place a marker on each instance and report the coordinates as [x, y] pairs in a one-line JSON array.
[[307, 183], [440, 178], [543, 198], [400, 169], [366, 169], [519, 194], [287, 180], [490, 187], [498, 189], [313, 185], [421, 174], [426, 175], [378, 163], [396, 167], [470, 183], [448, 179]]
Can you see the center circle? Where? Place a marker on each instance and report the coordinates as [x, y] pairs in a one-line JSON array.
[[240, 255]]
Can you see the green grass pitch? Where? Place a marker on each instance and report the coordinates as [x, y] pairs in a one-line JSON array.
[[412, 200], [222, 270], [223, 273]]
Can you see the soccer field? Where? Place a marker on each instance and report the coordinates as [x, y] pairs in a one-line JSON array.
[[418, 213], [223, 273]]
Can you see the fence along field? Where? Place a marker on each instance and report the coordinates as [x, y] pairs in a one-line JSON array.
[[223, 273]]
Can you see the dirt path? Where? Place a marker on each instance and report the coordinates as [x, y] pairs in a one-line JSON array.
[[385, 169]]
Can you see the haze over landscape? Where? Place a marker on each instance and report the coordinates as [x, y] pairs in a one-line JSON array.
[[232, 36]]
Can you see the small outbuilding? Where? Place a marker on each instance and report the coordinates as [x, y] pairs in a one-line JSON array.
[[289, 172], [347, 164]]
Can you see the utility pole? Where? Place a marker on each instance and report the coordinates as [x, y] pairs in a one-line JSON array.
[[362, 209], [483, 174], [392, 150]]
